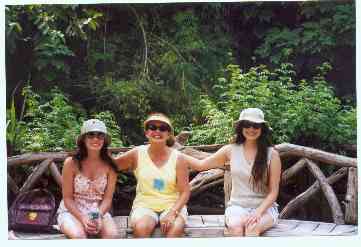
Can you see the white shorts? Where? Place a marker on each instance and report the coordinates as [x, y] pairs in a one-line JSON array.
[[66, 216], [138, 213], [233, 214]]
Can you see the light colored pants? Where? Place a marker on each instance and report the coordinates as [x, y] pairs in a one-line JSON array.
[[138, 213], [233, 214]]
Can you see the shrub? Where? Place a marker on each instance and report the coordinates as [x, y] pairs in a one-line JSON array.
[[304, 112]]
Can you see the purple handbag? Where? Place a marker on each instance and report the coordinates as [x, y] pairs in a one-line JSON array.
[[33, 211]]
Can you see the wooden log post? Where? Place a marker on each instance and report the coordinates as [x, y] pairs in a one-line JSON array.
[[286, 149], [12, 185], [39, 170], [351, 197], [304, 197], [338, 217], [292, 171], [55, 173]]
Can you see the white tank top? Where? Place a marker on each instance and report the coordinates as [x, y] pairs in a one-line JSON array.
[[242, 193]]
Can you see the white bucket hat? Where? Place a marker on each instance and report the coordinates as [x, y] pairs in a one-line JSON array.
[[252, 114], [92, 125]]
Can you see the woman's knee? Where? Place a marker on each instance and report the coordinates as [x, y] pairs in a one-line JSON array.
[[143, 228], [253, 230], [236, 230], [74, 232], [177, 229]]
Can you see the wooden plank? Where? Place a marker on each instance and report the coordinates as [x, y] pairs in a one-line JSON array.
[[204, 232], [323, 229], [122, 223], [345, 230], [199, 226], [213, 220], [194, 221], [282, 228], [36, 236]]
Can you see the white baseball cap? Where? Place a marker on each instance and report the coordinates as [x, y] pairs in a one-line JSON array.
[[252, 114], [92, 125]]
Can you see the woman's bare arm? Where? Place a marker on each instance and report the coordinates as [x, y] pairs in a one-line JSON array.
[[127, 160], [68, 173], [216, 160], [106, 203]]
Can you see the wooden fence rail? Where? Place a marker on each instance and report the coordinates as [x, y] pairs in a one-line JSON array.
[[309, 158]]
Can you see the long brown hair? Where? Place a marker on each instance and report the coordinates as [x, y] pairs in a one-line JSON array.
[[82, 153], [260, 171]]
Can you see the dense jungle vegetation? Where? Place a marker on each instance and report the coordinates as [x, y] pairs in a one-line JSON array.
[[199, 63]]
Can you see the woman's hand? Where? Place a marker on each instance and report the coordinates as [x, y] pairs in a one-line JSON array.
[[167, 221], [89, 225], [253, 219]]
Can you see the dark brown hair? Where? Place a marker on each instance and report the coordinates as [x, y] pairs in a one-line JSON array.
[[82, 152], [260, 171]]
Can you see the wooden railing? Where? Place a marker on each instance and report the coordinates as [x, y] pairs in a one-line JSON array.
[[309, 158]]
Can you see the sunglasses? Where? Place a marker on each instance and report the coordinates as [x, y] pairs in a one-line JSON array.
[[94, 134], [161, 128], [249, 124]]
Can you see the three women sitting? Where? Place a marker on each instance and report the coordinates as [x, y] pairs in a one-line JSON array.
[[162, 180]]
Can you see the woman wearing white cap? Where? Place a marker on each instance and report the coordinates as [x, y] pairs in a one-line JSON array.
[[162, 181], [89, 179], [255, 171]]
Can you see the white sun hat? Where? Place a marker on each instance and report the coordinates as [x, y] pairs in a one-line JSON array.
[[252, 114]]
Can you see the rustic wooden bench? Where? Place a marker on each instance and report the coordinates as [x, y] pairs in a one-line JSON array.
[[213, 225], [210, 226]]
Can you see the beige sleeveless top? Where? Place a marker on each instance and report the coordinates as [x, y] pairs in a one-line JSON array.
[[242, 193]]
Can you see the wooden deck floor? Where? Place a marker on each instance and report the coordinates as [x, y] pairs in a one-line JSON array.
[[213, 226]]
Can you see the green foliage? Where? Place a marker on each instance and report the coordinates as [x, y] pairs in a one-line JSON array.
[[52, 123], [215, 129], [14, 128], [326, 26], [296, 110]]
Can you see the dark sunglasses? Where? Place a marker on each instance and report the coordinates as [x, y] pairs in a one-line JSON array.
[[161, 127], [249, 124], [92, 135]]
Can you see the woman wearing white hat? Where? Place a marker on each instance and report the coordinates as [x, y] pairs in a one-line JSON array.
[[162, 181], [255, 171], [89, 179]]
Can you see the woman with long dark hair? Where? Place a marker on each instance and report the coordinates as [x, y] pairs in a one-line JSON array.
[[162, 181], [89, 179], [255, 171]]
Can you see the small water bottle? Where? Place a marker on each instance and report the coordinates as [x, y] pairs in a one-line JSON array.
[[94, 214]]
